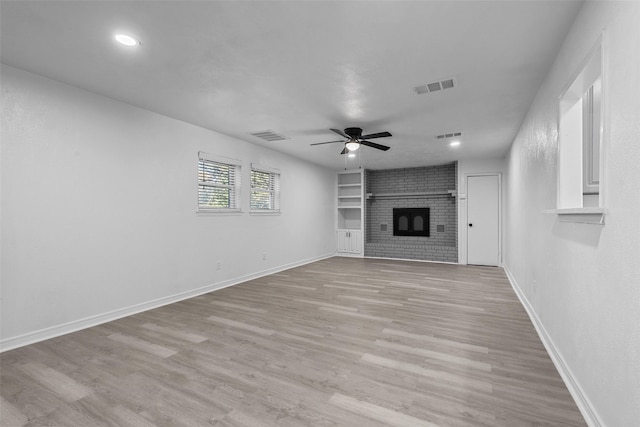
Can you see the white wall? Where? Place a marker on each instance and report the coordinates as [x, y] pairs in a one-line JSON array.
[[582, 281], [470, 167], [99, 211]]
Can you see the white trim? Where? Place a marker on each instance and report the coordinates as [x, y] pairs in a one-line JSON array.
[[266, 212], [88, 322], [576, 211], [580, 215], [585, 74], [579, 396], [218, 212], [219, 159], [348, 255], [262, 168]]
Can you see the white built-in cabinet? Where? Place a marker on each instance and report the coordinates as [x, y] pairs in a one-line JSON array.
[[349, 235], [349, 241]]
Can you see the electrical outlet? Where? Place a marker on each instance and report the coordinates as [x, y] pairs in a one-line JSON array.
[[264, 256], [218, 265], [534, 285]]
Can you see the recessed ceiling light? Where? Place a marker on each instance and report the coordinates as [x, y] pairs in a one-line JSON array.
[[454, 143], [126, 40], [351, 155]]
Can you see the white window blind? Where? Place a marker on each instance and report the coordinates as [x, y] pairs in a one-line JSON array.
[[218, 183], [265, 189]]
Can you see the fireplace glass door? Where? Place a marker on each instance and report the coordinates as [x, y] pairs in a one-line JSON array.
[[411, 221]]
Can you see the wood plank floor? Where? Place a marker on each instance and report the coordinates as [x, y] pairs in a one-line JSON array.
[[340, 342]]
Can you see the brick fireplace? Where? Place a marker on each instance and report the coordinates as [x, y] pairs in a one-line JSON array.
[[430, 190]]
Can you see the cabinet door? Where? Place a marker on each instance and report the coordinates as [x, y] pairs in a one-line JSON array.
[[355, 241], [342, 241]]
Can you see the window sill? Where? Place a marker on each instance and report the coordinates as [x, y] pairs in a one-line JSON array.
[[580, 215], [219, 212], [259, 213]]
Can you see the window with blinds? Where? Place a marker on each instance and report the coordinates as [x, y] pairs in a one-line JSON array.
[[218, 183], [265, 189]]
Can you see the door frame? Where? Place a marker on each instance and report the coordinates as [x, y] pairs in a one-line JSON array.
[[463, 221]]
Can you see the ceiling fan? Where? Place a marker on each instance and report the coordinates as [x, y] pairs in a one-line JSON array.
[[355, 138]]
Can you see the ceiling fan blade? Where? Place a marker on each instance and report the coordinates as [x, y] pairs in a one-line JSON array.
[[328, 142], [345, 151], [376, 135], [342, 134], [374, 145]]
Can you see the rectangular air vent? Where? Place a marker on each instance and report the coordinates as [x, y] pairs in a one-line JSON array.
[[447, 84], [435, 86], [269, 135], [421, 89], [448, 135]]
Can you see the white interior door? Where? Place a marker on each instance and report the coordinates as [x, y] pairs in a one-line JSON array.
[[483, 220]]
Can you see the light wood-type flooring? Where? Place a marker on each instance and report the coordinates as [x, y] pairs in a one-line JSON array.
[[339, 342]]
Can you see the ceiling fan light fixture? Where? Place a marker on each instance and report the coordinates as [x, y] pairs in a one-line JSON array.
[[353, 139], [352, 145], [126, 40]]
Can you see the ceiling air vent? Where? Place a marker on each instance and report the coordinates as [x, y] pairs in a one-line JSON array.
[[269, 135], [421, 89], [447, 84], [435, 86], [448, 135]]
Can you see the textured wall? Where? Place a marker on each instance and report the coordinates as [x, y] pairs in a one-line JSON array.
[[99, 206], [583, 280], [439, 246]]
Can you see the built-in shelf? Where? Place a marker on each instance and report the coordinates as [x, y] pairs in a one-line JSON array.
[[349, 224]]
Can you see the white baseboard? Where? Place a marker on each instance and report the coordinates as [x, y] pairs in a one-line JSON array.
[[348, 255], [87, 322], [582, 401]]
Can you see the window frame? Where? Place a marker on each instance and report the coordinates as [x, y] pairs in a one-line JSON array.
[[577, 137], [591, 137], [275, 178], [233, 187]]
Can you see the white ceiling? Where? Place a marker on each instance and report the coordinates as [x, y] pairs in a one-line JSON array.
[[301, 68]]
